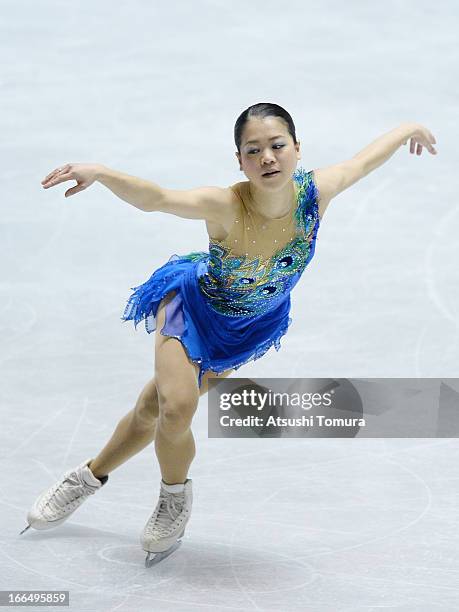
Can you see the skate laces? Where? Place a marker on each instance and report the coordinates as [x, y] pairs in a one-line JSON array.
[[170, 506], [66, 495]]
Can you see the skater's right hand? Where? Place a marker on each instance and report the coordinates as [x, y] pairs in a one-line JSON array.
[[83, 174], [421, 137]]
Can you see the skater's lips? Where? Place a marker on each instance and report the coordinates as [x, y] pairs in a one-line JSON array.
[[272, 171]]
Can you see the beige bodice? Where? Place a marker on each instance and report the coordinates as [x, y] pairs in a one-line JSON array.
[[254, 235]]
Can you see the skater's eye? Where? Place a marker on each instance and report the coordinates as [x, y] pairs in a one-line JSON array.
[[255, 150]]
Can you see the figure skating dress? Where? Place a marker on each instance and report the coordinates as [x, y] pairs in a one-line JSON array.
[[233, 303]]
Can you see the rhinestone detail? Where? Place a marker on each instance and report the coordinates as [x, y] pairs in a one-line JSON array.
[[241, 285]]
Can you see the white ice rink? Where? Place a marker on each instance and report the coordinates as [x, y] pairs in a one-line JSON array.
[[153, 89]]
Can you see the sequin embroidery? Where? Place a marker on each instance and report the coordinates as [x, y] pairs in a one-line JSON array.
[[244, 285]]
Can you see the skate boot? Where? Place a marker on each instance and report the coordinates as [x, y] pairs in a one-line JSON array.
[[57, 503], [163, 530]]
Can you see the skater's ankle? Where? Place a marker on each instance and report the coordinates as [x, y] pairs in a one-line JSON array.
[[97, 473]]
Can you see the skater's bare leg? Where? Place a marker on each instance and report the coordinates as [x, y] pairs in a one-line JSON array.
[[133, 433], [178, 395], [174, 441], [137, 429]]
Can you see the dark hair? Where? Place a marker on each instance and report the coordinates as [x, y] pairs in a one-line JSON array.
[[262, 110]]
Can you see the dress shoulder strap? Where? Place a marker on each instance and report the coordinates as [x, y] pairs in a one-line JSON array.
[[307, 186], [241, 210]]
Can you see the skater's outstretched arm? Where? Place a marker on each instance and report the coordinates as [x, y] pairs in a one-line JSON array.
[[334, 179], [209, 203]]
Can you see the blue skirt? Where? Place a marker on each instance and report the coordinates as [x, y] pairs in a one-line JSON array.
[[211, 340]]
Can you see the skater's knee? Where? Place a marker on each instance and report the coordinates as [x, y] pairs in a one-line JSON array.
[[176, 412], [147, 405], [146, 414]]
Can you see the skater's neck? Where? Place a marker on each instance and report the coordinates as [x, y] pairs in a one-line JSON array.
[[272, 204]]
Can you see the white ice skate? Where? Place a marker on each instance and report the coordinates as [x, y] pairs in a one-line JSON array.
[[163, 530], [57, 503]]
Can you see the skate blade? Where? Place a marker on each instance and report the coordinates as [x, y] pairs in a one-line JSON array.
[[25, 529], [155, 558]]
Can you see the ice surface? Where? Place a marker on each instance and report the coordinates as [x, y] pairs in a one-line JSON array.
[[154, 89]]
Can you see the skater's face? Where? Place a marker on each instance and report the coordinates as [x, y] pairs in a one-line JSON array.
[[266, 144]]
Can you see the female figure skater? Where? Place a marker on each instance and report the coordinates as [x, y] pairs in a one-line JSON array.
[[213, 311]]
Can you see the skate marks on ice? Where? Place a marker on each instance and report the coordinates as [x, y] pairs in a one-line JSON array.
[[242, 572], [155, 558], [436, 291]]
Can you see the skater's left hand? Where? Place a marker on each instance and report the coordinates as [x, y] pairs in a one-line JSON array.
[[421, 137]]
